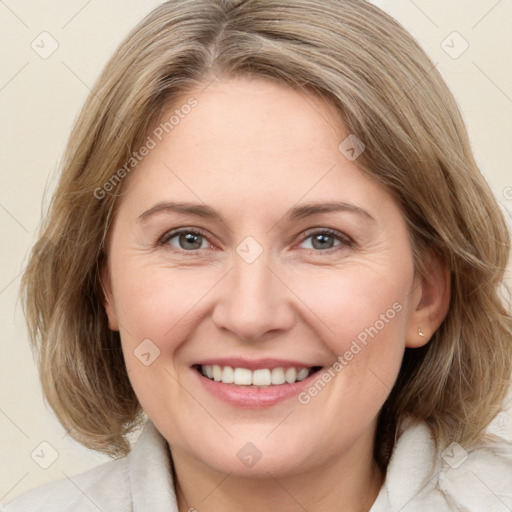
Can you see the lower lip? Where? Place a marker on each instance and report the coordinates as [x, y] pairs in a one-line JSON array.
[[253, 397]]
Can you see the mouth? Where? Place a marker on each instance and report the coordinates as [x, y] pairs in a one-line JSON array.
[[258, 378]]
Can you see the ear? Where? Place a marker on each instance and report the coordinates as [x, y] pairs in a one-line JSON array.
[[431, 297], [108, 298]]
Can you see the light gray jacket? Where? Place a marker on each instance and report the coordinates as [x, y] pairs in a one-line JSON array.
[[416, 480]]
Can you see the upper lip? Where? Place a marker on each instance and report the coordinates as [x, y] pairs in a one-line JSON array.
[[254, 364]]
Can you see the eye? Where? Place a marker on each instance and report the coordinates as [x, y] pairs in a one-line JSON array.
[[188, 240], [323, 240], [193, 240]]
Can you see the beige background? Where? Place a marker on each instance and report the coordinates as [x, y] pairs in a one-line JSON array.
[[40, 98]]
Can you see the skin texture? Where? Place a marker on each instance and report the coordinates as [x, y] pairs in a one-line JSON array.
[[252, 149]]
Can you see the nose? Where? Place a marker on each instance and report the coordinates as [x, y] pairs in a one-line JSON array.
[[255, 302]]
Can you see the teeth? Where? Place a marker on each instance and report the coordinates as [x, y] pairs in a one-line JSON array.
[[303, 373], [277, 376], [217, 373], [291, 375], [242, 376], [228, 375], [260, 377]]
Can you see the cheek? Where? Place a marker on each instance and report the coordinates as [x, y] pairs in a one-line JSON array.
[[363, 302], [157, 308], [362, 316], [354, 301], [152, 300], [163, 305]]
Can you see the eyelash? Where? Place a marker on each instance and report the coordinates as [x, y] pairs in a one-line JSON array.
[[345, 240]]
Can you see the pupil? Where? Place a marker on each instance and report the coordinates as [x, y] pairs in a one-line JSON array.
[[320, 238], [190, 238]]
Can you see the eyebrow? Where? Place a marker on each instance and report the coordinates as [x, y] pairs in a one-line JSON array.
[[295, 213]]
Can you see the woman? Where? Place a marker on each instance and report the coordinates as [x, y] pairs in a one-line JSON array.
[[335, 337]]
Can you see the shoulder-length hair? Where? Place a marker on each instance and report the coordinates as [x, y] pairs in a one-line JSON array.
[[388, 93]]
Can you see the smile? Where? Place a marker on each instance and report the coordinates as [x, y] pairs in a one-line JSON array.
[[261, 377]]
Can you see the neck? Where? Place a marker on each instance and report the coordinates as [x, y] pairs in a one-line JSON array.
[[348, 482]]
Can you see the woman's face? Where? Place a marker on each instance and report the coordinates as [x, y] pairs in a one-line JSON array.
[[254, 282]]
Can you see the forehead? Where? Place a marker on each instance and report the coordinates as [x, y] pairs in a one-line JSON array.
[[249, 142]]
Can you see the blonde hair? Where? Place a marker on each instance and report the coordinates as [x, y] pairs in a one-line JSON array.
[[389, 94]]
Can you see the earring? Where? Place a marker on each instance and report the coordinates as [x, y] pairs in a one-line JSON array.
[[420, 332]]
